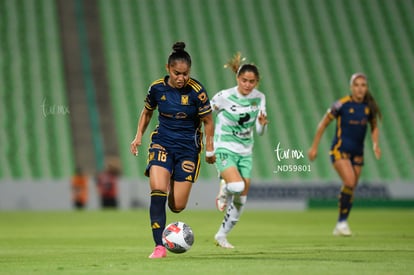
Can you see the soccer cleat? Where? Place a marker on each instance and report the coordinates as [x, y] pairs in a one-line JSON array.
[[159, 252], [342, 229], [223, 242], [221, 199]]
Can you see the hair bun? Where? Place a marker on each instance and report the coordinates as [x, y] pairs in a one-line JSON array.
[[178, 47]]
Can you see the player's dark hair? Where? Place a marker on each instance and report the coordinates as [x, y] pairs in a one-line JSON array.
[[235, 65], [179, 54], [373, 105], [248, 68]]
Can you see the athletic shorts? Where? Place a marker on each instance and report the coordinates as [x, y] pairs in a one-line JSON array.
[[356, 159], [226, 159], [183, 165]]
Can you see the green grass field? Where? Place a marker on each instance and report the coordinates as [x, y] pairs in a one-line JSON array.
[[267, 242]]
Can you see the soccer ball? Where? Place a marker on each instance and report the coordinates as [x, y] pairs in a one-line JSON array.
[[178, 237]]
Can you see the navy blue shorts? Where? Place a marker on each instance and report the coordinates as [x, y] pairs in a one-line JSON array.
[[183, 165], [356, 159]]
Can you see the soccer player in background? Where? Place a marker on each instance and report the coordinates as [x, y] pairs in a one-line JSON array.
[[176, 143], [239, 109], [352, 114]]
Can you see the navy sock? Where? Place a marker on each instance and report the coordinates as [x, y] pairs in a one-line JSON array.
[[345, 202], [157, 215]]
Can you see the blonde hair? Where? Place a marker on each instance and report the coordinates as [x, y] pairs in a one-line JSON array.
[[235, 64]]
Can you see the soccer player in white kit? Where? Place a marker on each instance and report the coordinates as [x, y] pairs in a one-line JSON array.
[[239, 110]]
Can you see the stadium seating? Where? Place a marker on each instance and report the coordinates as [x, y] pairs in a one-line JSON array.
[[35, 137], [306, 51]]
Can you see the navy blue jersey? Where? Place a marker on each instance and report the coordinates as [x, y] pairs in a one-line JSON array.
[[351, 127], [180, 112]]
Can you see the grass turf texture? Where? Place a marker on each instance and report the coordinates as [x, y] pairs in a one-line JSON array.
[[267, 242]]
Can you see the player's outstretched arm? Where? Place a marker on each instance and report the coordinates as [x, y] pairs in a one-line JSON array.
[[143, 122], [313, 151]]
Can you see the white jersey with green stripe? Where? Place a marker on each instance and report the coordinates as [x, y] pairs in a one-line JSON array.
[[236, 116]]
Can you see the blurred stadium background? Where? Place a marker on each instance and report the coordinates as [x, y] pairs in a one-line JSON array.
[[74, 74]]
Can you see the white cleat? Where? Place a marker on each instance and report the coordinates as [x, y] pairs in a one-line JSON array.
[[223, 242], [221, 199], [342, 229]]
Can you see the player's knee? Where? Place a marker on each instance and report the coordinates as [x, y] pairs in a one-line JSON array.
[[175, 209], [239, 201], [235, 187]]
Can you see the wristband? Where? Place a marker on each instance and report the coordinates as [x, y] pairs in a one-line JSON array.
[[209, 154]]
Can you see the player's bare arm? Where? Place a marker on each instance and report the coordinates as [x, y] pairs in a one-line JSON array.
[[143, 122], [209, 133]]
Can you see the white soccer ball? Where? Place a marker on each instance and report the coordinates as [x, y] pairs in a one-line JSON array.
[[178, 237]]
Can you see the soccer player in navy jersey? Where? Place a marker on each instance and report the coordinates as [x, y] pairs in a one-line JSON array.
[[352, 114], [176, 143]]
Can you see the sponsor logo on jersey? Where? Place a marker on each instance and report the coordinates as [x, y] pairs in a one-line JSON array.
[[188, 166]]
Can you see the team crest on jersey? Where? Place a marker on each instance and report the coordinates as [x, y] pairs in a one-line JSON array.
[[367, 110], [184, 99], [163, 97], [351, 110]]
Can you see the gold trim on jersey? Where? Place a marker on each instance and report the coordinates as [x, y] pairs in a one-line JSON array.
[[345, 99], [196, 87], [158, 81], [197, 168], [335, 151], [209, 110], [148, 107]]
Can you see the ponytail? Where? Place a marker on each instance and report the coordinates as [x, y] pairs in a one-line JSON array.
[[235, 64], [373, 106]]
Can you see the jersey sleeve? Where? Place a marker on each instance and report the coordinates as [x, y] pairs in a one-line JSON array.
[[150, 101], [217, 101], [204, 106], [335, 109]]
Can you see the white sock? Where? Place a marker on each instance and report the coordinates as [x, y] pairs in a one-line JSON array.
[[235, 187], [232, 216]]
